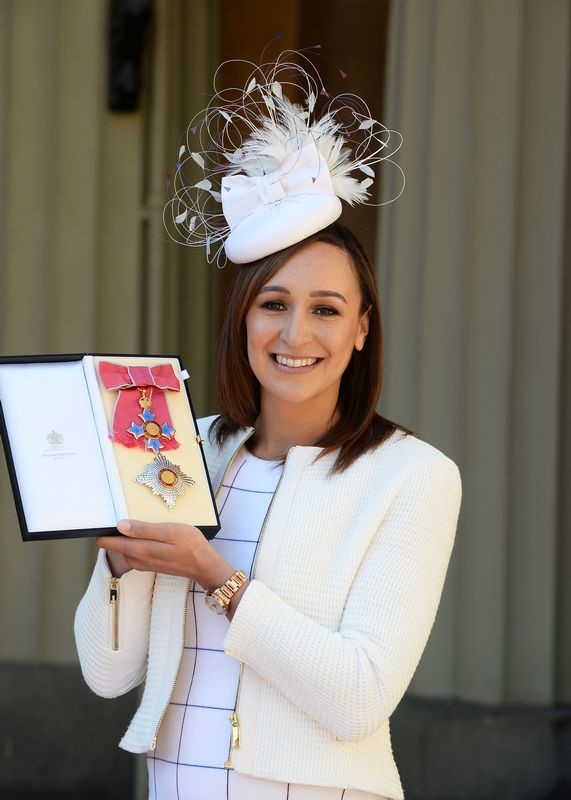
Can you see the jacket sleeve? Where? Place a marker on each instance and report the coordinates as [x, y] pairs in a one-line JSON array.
[[111, 672], [350, 680]]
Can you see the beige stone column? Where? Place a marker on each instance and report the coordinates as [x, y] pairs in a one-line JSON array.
[[84, 262], [181, 288], [563, 595], [52, 101], [470, 264]]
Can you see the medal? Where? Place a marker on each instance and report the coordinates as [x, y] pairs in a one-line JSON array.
[[138, 388], [150, 430], [165, 479], [142, 393]]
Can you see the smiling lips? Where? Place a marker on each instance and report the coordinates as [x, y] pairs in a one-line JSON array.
[[295, 362]]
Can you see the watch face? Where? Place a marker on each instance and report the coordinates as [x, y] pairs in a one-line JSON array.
[[214, 604]]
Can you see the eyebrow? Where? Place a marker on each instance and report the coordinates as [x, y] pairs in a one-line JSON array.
[[316, 293]]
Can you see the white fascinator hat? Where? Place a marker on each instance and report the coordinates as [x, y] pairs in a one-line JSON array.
[[272, 171]]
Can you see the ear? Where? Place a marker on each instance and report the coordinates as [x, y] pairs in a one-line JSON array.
[[362, 331]]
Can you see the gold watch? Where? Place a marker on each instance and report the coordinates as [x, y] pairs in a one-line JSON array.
[[218, 600]]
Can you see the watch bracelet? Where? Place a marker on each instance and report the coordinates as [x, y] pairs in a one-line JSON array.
[[231, 586]]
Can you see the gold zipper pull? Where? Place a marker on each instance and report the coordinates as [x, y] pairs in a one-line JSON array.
[[114, 583], [234, 721], [235, 740], [114, 601]]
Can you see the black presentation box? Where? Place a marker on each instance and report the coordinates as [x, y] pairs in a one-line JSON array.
[[91, 439]]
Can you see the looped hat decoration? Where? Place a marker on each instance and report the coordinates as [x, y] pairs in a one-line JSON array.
[[272, 171]]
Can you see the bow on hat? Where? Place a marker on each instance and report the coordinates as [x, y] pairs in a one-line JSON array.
[[275, 204], [130, 381]]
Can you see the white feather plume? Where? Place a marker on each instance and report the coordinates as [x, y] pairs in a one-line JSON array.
[[253, 130]]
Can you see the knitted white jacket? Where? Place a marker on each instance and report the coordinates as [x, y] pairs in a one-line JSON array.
[[347, 582]]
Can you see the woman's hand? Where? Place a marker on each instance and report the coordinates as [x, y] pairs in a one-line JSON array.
[[170, 548]]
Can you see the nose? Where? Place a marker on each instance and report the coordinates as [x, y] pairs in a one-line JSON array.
[[296, 330]]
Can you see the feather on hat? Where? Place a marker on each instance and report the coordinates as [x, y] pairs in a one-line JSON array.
[[273, 172]]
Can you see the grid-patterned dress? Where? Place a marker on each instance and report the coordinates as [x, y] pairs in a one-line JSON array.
[[194, 737]]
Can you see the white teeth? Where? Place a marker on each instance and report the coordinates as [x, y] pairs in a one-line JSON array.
[[295, 362]]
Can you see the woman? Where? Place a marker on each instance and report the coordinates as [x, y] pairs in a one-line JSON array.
[[349, 572], [336, 524]]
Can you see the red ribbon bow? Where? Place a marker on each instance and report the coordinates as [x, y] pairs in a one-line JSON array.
[[128, 380]]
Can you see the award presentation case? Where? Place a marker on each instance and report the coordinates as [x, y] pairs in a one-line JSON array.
[[69, 477]]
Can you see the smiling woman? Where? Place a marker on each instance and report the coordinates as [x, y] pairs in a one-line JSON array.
[[276, 311], [336, 524], [293, 327]]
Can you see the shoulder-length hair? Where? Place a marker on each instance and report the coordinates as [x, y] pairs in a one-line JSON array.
[[359, 428]]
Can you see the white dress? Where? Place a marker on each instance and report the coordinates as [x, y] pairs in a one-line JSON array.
[[194, 737]]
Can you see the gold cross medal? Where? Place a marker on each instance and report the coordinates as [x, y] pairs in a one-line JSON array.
[[149, 429]]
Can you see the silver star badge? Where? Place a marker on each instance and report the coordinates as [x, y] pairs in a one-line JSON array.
[[165, 479]]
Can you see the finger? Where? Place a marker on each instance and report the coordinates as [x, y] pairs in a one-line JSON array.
[[114, 543], [136, 551], [130, 547]]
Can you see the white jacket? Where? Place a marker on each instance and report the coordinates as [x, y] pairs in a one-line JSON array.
[[348, 579]]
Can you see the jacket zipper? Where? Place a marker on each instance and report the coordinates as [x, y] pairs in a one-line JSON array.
[[181, 651], [234, 719], [114, 603], [235, 735]]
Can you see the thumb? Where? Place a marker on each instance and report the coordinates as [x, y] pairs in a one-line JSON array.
[[136, 529], [132, 527], [124, 526]]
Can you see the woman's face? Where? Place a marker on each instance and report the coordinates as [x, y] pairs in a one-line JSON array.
[[302, 328]]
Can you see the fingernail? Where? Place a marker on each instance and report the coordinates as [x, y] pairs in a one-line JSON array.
[[124, 526]]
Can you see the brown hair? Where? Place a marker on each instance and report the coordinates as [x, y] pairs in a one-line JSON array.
[[359, 428]]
